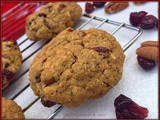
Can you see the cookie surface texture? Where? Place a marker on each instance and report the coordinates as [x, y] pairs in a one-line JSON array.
[[51, 19], [11, 110], [77, 65], [11, 62]]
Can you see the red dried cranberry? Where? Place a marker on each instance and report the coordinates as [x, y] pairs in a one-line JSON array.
[[128, 109], [14, 42], [135, 17], [42, 15], [148, 22], [146, 63], [7, 74], [47, 103], [99, 4], [157, 23], [101, 49], [89, 8]]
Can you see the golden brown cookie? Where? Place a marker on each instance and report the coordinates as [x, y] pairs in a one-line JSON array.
[[11, 110], [52, 19], [77, 65], [11, 62]]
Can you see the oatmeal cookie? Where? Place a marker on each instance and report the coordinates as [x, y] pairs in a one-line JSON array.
[[11, 62], [11, 110], [52, 19], [77, 65]]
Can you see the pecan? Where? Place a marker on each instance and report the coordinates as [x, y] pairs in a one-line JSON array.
[[148, 50], [114, 7], [150, 43]]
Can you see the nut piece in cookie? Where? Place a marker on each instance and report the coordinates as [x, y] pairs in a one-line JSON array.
[[71, 67], [11, 110], [114, 7], [11, 62], [51, 19]]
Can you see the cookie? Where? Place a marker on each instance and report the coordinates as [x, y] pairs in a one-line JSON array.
[[11, 110], [77, 65], [11, 62], [52, 19]]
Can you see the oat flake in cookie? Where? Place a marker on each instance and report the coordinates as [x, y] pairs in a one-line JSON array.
[[11, 110], [11, 62], [77, 65], [52, 19]]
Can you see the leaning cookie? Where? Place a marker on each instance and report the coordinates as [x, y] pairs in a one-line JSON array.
[[11, 110], [75, 66], [11, 62], [52, 19]]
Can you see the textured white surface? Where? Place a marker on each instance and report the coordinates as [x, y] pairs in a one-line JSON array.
[[139, 85]]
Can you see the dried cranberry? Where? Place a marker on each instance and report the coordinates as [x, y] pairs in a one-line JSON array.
[[128, 109], [83, 34], [99, 4], [6, 65], [135, 17], [7, 74], [89, 8], [157, 23], [14, 42], [38, 78], [61, 6], [42, 15], [101, 49], [47, 103], [146, 63], [148, 22]]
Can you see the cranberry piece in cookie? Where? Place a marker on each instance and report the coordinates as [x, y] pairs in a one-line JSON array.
[[47, 103]]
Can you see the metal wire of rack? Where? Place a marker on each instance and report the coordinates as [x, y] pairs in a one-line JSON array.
[[35, 47]]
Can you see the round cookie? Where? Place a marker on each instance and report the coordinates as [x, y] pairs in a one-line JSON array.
[[11, 61], [77, 65], [52, 19], [11, 110]]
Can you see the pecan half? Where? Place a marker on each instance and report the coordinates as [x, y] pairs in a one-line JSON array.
[[150, 43], [148, 50], [114, 7]]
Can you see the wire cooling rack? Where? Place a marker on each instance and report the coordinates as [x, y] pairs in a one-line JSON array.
[[19, 90]]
